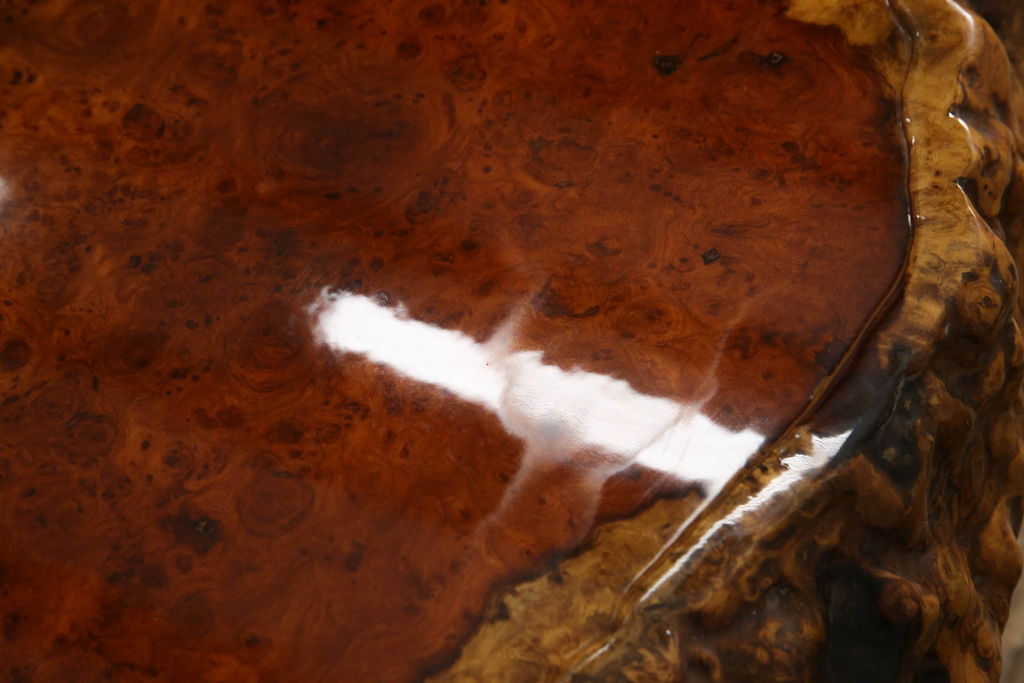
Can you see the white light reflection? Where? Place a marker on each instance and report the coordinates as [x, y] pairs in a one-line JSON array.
[[555, 412], [797, 467]]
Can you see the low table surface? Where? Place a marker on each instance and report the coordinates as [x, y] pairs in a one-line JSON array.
[[321, 323]]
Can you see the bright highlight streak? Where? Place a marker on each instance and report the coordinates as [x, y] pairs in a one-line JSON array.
[[554, 411], [798, 466]]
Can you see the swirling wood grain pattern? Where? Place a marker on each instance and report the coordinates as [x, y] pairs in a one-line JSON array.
[[704, 199]]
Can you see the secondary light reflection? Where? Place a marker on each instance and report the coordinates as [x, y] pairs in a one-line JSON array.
[[798, 466], [555, 412]]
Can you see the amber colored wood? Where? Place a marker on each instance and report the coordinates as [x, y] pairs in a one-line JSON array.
[[704, 199]]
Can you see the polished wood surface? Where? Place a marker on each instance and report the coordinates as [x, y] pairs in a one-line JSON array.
[[222, 220]]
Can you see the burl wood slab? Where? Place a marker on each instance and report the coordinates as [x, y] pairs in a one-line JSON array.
[[506, 341]]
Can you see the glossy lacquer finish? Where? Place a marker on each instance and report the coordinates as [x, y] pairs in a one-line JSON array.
[[322, 322]]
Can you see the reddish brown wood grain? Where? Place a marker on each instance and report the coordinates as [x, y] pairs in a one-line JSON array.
[[703, 199]]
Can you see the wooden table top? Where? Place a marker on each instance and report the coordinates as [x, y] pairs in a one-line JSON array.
[[324, 324]]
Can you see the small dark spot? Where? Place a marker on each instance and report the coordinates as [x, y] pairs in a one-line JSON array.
[[601, 250], [409, 50], [549, 302], [433, 15], [284, 431], [710, 256], [142, 124], [136, 350], [353, 560], [537, 144], [199, 532], [774, 59], [666, 65], [426, 205], [466, 73], [12, 623], [14, 355]]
